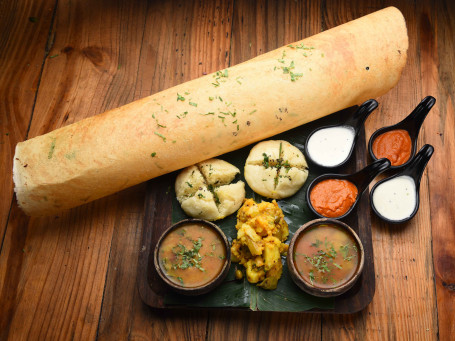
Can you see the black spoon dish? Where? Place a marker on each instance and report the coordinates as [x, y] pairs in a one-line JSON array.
[[354, 123], [413, 170], [361, 180], [412, 124]]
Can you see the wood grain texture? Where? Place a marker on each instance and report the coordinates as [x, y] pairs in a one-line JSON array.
[[437, 31], [73, 276], [181, 41], [24, 32], [404, 304], [55, 286], [259, 27]]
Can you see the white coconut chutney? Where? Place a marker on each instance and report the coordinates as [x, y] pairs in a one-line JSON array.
[[395, 199], [329, 147]]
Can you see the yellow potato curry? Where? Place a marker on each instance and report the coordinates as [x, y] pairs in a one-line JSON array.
[[261, 231]]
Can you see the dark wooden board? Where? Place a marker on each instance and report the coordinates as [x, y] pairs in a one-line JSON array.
[[158, 217]]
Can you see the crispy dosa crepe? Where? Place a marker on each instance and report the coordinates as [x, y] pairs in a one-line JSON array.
[[211, 115]]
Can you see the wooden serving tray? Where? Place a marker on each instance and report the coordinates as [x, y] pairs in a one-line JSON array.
[[158, 217]]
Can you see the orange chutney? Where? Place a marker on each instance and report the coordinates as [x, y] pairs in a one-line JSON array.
[[332, 198], [192, 255], [394, 145]]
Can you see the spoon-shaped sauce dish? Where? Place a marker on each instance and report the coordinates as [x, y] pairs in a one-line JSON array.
[[331, 146], [336, 195], [396, 199], [398, 142]]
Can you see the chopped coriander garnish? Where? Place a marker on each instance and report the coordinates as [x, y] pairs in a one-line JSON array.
[[311, 275], [222, 119], [265, 162], [53, 56], [187, 93], [338, 266], [211, 98], [182, 115], [295, 76], [51, 150], [215, 195], [189, 184], [193, 104], [180, 98], [158, 134], [153, 154]]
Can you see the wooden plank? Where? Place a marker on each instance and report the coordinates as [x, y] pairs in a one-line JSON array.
[[182, 41], [259, 27], [55, 268], [437, 31], [404, 304], [225, 325], [24, 31]]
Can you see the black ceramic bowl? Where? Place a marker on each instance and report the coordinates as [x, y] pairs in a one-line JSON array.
[[361, 180], [414, 170], [307, 287], [192, 291], [355, 122], [412, 124]]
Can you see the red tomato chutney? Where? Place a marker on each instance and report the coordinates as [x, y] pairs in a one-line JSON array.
[[192, 255], [332, 197], [395, 145], [326, 256]]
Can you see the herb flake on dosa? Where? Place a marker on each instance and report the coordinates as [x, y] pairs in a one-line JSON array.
[[211, 115]]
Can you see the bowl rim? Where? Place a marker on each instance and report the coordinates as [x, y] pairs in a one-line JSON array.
[[329, 176], [324, 292], [386, 129], [202, 289], [342, 163], [391, 221]]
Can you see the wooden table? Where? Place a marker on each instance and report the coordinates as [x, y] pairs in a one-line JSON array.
[[74, 275]]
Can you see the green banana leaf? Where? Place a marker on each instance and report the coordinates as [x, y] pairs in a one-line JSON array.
[[241, 294]]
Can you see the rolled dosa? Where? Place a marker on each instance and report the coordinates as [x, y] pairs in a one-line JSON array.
[[211, 115]]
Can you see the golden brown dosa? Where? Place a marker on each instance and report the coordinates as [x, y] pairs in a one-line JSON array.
[[211, 115]]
